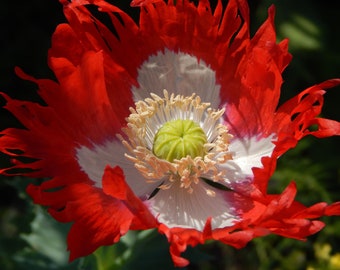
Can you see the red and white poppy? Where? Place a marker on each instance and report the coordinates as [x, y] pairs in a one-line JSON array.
[[172, 123]]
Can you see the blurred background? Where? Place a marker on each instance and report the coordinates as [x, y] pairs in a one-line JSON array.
[[30, 239]]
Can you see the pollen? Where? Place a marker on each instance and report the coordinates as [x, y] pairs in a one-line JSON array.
[[176, 139]]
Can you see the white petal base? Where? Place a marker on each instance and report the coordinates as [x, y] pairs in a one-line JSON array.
[[247, 154], [180, 74], [94, 160], [175, 207]]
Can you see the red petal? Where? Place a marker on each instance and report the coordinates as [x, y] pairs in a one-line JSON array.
[[333, 209], [251, 85], [283, 216], [44, 131], [179, 239], [99, 218], [114, 185], [294, 118], [140, 3]]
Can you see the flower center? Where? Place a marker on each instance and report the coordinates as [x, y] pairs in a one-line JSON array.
[[176, 139], [179, 138]]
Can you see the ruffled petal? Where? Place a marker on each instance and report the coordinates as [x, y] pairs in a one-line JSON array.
[[52, 133], [114, 184], [276, 214], [47, 159], [297, 117], [252, 81], [180, 239], [88, 79], [140, 3], [286, 217], [236, 233], [100, 216]]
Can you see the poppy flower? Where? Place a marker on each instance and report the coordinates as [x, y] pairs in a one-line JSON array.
[[172, 123]]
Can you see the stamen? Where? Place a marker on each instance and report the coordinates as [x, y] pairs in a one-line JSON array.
[[142, 133]]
